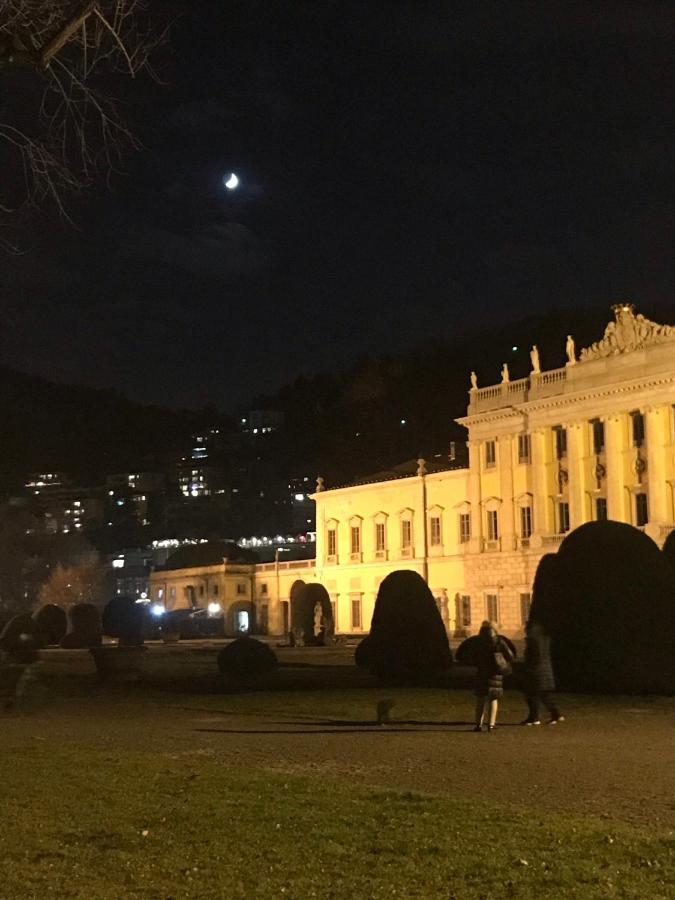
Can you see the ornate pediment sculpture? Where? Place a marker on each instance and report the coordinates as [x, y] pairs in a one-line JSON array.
[[628, 332]]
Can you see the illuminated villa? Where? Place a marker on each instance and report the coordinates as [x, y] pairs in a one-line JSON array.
[[592, 440]]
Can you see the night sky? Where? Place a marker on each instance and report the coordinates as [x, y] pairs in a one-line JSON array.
[[407, 170]]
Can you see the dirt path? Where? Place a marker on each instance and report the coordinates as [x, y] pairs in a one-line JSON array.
[[612, 758]]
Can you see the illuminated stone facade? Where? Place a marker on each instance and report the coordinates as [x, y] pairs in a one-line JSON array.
[[594, 439]]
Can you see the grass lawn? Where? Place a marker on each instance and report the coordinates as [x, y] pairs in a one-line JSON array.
[[139, 792], [94, 824]]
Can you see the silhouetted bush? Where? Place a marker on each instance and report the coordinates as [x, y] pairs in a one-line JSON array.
[[607, 598], [21, 639], [52, 622], [303, 604], [669, 549], [407, 640], [85, 627], [124, 619], [247, 656]]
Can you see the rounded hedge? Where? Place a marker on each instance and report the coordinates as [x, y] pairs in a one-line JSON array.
[[247, 656], [21, 639], [669, 549], [124, 619], [52, 622], [85, 627], [407, 640], [303, 604], [607, 598]]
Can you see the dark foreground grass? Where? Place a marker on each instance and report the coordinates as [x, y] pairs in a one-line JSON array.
[[81, 823]]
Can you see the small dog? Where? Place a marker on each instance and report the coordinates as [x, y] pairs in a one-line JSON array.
[[382, 709]]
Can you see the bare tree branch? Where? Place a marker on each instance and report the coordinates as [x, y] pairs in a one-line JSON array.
[[59, 127]]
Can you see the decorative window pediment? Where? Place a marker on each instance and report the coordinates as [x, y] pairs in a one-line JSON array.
[[491, 503], [380, 516], [524, 499]]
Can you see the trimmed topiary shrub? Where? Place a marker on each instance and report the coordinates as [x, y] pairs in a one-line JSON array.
[[312, 615], [669, 549], [124, 619], [407, 640], [85, 627], [52, 622], [247, 656], [21, 639], [607, 598]]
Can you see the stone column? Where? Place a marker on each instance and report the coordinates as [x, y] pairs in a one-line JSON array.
[[656, 465], [476, 542], [616, 501], [576, 485], [540, 524], [506, 523]]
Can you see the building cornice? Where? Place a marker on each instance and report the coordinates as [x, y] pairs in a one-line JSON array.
[[558, 401]]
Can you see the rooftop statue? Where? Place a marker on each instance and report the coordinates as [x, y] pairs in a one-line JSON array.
[[474, 381], [628, 332], [534, 359], [505, 373], [569, 350]]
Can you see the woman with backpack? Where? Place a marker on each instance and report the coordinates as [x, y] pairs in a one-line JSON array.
[[493, 659]]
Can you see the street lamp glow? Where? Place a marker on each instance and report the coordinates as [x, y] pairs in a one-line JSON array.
[[157, 610]]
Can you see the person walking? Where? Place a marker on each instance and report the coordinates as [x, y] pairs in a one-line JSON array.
[[493, 659], [539, 676]]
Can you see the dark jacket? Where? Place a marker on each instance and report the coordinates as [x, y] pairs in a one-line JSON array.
[[539, 675], [489, 680]]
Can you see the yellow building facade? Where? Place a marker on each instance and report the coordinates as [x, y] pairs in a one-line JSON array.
[[592, 440]]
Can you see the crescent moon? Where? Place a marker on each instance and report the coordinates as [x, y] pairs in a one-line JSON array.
[[232, 182]]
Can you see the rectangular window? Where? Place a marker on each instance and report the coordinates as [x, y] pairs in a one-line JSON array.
[[525, 521], [492, 525], [563, 518], [641, 510], [491, 607], [638, 426], [464, 528], [406, 533], [435, 531], [172, 593], [201, 590], [263, 589], [465, 609], [598, 436], [601, 509], [380, 540], [523, 448], [356, 539], [331, 541], [241, 587], [560, 434], [490, 454], [215, 590], [356, 612], [333, 604]]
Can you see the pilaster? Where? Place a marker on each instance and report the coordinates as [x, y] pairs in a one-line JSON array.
[[476, 542], [576, 485], [507, 524], [656, 465], [540, 507], [616, 500]]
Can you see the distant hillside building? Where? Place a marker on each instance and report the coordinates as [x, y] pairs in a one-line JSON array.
[[592, 440]]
